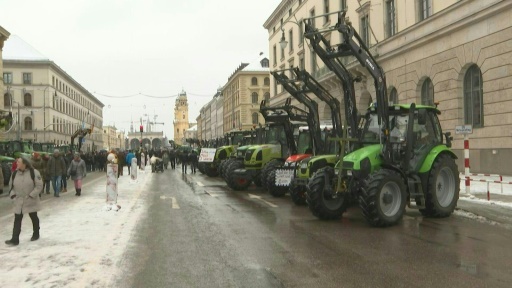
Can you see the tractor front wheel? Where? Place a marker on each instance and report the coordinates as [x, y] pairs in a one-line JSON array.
[[271, 165], [298, 195], [443, 188], [322, 203], [383, 197], [234, 182], [276, 191]]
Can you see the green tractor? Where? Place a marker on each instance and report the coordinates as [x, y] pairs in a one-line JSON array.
[[238, 154], [222, 153], [280, 142], [45, 148], [402, 155], [5, 160]]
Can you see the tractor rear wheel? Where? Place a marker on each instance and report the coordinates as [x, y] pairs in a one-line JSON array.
[[237, 183], [383, 197], [6, 170], [443, 188], [322, 203], [225, 167]]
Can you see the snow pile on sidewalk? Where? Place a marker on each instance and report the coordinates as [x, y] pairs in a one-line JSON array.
[[480, 189], [80, 243]]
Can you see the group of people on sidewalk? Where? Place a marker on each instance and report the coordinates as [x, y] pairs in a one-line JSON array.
[[27, 183]]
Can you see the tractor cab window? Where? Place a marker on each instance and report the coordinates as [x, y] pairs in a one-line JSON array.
[[425, 132], [304, 144], [372, 130]]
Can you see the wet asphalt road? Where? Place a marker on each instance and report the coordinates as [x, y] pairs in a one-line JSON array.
[[210, 236]]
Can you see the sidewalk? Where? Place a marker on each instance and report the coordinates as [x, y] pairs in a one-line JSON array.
[[80, 241], [496, 211]]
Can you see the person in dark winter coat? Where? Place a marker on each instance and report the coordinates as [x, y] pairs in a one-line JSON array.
[[184, 161], [172, 158], [25, 193], [192, 159], [77, 171], [57, 170]]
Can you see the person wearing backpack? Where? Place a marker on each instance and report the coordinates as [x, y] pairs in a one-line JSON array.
[[25, 183], [77, 171]]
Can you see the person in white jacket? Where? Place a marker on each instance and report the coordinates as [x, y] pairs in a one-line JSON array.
[[25, 185]]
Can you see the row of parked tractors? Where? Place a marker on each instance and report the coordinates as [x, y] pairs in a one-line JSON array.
[[382, 159]]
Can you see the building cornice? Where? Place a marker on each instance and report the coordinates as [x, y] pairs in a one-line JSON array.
[[51, 65], [280, 10]]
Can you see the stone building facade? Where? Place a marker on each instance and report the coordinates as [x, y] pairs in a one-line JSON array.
[[180, 122], [454, 53], [47, 103]]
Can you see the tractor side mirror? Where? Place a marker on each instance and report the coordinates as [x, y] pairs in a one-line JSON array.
[[449, 139]]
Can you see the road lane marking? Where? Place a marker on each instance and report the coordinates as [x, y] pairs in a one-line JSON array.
[[174, 203], [263, 200], [200, 184], [207, 192]]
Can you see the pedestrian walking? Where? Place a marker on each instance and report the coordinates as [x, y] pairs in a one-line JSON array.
[[77, 171], [192, 159], [128, 159], [67, 158], [56, 170], [172, 158], [38, 164], [25, 185], [184, 161]]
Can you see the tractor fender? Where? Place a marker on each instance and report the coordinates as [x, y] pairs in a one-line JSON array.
[[432, 156]]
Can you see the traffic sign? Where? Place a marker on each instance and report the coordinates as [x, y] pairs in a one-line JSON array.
[[464, 129]]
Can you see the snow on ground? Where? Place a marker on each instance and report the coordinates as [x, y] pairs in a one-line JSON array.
[[80, 242], [478, 188]]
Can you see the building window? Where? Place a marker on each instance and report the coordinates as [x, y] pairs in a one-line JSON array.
[[427, 93], [27, 78], [393, 96], [28, 123], [264, 63], [473, 97], [27, 99], [254, 97], [266, 81], [425, 9], [274, 54], [390, 18], [7, 99], [290, 40], [7, 77], [254, 118], [326, 10], [301, 33], [365, 29], [275, 87], [301, 62], [254, 81], [267, 97]]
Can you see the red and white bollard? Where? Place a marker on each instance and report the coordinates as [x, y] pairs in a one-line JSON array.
[[466, 163]]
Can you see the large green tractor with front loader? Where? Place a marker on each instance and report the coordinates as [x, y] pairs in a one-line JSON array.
[[281, 122], [400, 156]]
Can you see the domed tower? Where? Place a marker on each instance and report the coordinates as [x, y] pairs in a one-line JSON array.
[[180, 118]]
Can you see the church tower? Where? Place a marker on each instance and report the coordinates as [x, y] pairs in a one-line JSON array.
[[181, 123]]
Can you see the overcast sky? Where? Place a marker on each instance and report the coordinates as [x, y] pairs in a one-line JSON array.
[[152, 47]]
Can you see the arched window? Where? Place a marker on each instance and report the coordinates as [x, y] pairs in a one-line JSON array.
[[27, 99], [254, 96], [266, 81], [267, 97], [28, 123], [393, 96], [473, 97], [7, 99], [427, 93], [254, 81], [255, 118]]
